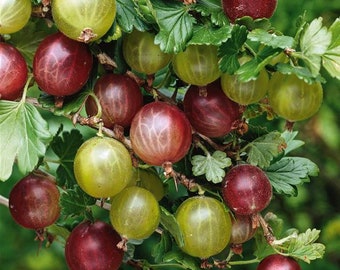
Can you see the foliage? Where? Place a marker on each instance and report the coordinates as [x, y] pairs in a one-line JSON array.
[[312, 52]]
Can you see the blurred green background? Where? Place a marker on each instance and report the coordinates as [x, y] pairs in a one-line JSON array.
[[317, 205]]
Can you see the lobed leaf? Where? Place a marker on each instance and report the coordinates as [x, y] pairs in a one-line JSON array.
[[331, 59], [127, 17], [212, 166], [212, 8], [291, 143], [272, 40], [65, 146], [228, 51], [251, 69], [209, 35], [289, 172], [145, 10], [175, 25], [75, 202], [24, 135], [315, 39], [262, 150], [314, 42], [302, 246], [301, 72]]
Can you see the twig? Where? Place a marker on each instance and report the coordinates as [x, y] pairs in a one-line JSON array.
[[267, 230], [4, 201], [190, 184], [103, 205], [211, 143]]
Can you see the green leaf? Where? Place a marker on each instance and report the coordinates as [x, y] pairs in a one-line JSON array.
[[175, 25], [289, 172], [262, 150], [162, 247], [75, 202], [314, 42], [209, 35], [252, 24], [185, 261], [57, 230], [145, 10], [71, 104], [331, 58], [127, 17], [36, 2], [169, 223], [262, 248], [228, 51], [213, 9], [251, 69], [315, 39], [301, 72], [28, 39], [24, 135], [272, 40], [302, 246], [129, 253], [291, 143], [114, 33], [335, 31], [211, 166], [65, 146], [275, 223]]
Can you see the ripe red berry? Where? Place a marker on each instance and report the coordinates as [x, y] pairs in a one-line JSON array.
[[210, 111], [13, 72], [34, 201], [160, 133], [61, 66], [93, 246], [120, 99], [278, 262], [246, 189], [235, 9]]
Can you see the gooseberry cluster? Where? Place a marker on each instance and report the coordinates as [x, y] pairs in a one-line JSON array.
[[118, 84]]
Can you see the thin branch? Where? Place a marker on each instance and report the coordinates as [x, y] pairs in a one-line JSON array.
[[103, 205], [4, 201]]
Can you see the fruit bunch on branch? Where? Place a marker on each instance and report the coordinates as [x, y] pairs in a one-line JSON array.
[[165, 114]]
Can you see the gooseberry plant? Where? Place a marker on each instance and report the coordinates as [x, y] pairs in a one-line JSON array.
[[147, 101]]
